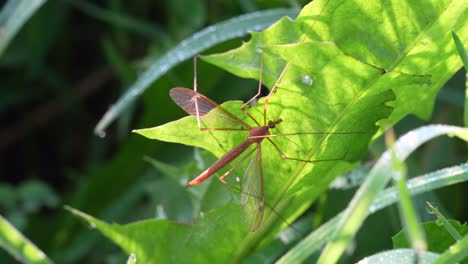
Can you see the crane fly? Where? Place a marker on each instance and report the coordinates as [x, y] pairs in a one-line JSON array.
[[252, 197], [252, 191]]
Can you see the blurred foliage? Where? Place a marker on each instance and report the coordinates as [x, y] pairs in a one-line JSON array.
[[437, 236], [72, 59]]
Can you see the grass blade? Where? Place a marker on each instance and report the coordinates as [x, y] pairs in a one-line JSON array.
[[421, 184], [14, 15], [445, 222], [356, 212], [19, 246], [455, 253], [364, 203]]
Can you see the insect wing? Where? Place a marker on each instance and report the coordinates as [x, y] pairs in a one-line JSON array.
[[188, 100], [185, 98], [252, 196]]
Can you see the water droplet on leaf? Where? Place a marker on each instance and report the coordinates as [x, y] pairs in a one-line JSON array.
[[307, 80]]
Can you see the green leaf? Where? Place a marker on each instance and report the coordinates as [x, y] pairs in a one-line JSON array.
[[34, 194], [399, 38], [19, 246], [438, 239], [164, 241], [345, 95]]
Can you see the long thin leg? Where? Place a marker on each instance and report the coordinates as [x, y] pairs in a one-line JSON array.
[[275, 86], [273, 89], [195, 83], [267, 98], [221, 129], [307, 133], [283, 156], [302, 133], [197, 108], [259, 91], [195, 87], [234, 167]]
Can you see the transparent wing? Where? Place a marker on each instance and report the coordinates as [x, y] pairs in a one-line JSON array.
[[252, 197], [188, 100]]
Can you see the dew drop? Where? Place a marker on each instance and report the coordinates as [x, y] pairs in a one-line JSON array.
[[307, 80], [132, 258], [160, 212]]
